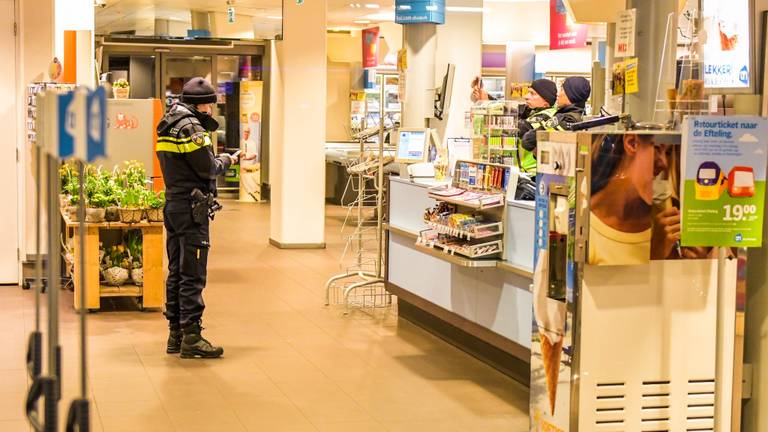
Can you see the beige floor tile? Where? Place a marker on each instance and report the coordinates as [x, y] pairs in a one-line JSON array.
[[14, 426], [205, 418], [276, 413], [132, 416], [12, 406], [363, 426]]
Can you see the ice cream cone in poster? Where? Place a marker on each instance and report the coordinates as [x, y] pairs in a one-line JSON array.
[[550, 355], [550, 319]]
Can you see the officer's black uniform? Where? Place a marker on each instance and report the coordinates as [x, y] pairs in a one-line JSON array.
[[185, 152]]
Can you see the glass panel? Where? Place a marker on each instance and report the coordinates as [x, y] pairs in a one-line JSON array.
[[179, 70], [138, 70], [240, 125], [495, 86]]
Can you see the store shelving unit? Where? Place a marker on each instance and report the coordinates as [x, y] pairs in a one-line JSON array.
[[495, 136], [362, 282], [468, 220], [150, 294], [365, 108]]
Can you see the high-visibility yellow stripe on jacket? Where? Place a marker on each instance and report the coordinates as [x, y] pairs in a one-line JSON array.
[[183, 145]]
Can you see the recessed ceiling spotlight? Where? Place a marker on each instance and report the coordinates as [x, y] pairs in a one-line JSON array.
[[372, 5], [362, 22]]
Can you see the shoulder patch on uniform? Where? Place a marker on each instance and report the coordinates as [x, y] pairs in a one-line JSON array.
[[199, 139], [175, 131]]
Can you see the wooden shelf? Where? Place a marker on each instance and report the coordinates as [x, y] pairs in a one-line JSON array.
[[127, 290]]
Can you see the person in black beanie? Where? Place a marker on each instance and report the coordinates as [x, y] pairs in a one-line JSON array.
[[190, 167], [539, 109], [571, 106]]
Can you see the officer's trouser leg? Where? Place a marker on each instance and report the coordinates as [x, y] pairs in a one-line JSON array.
[[192, 270], [173, 249]]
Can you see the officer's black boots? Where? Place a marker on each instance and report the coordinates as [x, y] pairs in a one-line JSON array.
[[193, 345], [174, 339]]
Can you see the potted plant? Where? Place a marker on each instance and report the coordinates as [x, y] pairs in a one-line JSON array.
[[130, 205], [121, 89], [70, 184], [133, 242], [116, 265], [96, 208], [154, 203], [71, 209]]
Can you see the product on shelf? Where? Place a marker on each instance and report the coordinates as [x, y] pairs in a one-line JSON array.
[[463, 221], [455, 245]]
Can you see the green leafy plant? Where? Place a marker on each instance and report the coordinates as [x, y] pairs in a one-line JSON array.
[[121, 83], [134, 244], [133, 174], [117, 256], [153, 200], [131, 198]]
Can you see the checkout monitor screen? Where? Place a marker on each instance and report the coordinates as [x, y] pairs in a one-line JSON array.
[[411, 145]]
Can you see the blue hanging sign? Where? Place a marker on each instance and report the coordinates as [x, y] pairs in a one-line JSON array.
[[420, 12], [67, 120], [96, 126]]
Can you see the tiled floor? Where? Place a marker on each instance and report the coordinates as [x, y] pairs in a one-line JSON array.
[[290, 363]]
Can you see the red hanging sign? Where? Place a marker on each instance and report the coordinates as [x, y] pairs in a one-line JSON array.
[[563, 34], [371, 47]]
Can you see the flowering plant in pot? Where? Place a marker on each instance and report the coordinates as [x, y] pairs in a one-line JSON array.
[[130, 205], [121, 89], [116, 265], [154, 203], [134, 244]]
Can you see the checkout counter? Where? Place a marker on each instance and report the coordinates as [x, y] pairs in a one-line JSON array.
[[483, 305]]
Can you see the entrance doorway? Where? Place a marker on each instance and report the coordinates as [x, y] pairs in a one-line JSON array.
[[161, 72]]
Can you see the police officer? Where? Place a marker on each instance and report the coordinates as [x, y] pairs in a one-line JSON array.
[[189, 167], [571, 106]]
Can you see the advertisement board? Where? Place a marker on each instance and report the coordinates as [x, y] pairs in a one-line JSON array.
[[562, 33], [370, 47], [724, 180], [726, 49]]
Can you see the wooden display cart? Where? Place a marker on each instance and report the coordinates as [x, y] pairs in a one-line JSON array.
[[150, 295]]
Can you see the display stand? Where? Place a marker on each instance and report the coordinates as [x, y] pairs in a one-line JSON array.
[[150, 294], [362, 284], [625, 336], [495, 133], [469, 217]]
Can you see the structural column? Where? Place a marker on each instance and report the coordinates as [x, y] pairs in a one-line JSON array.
[[420, 43], [297, 142]]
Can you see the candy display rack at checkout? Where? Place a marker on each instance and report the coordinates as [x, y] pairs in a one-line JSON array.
[[495, 135], [468, 219]]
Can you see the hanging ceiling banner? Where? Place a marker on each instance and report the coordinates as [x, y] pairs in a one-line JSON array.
[[563, 33], [371, 47]]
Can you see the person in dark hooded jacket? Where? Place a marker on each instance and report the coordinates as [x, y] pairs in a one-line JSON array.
[[187, 160], [571, 106]]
